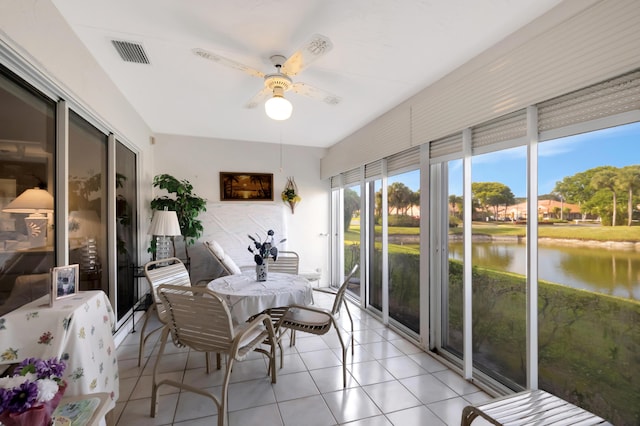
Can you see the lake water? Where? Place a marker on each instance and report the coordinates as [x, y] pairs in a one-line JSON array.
[[613, 272]]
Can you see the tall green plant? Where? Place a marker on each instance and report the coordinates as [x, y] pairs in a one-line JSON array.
[[184, 202]]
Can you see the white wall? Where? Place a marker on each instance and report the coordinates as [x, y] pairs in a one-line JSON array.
[[34, 31], [200, 160]]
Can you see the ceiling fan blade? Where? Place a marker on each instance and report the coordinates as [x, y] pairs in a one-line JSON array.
[[227, 62], [315, 93], [258, 98], [313, 49]]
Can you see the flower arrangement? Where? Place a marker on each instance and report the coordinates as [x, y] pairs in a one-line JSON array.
[[262, 250], [290, 194], [35, 387]]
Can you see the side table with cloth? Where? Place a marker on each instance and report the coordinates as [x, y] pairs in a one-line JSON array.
[[77, 329], [246, 297]]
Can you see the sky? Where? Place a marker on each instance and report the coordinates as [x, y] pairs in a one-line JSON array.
[[617, 146]]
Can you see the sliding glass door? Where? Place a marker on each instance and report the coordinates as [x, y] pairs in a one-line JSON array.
[[88, 203], [27, 235]]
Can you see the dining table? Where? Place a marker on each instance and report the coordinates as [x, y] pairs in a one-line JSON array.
[[246, 296]]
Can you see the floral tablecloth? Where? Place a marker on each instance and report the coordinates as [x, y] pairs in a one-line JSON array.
[[77, 330]]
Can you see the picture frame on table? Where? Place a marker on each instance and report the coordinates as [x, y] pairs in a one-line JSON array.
[[244, 186], [64, 281]]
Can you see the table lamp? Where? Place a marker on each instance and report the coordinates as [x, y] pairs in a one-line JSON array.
[[37, 202], [164, 225]]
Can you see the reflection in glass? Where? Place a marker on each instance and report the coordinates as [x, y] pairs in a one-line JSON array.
[[27, 146], [88, 203], [126, 229]]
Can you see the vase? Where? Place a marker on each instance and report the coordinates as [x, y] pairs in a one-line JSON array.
[[35, 416], [261, 271]]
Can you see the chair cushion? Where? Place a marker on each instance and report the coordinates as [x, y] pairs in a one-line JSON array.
[[216, 249], [307, 320], [231, 265]]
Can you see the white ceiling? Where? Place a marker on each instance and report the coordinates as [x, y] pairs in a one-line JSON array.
[[384, 52]]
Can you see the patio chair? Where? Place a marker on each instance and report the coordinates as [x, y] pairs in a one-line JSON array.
[[287, 262], [229, 267], [199, 319], [314, 320], [165, 271]]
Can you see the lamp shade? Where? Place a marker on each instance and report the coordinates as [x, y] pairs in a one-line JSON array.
[[33, 200], [165, 222], [278, 108]]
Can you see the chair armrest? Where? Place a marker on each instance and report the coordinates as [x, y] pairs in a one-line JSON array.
[[257, 321], [311, 308], [328, 290]]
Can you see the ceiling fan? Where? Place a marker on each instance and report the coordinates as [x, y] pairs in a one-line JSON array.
[[275, 84]]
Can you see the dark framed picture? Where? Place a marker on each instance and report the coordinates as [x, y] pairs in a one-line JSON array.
[[246, 186], [64, 281]]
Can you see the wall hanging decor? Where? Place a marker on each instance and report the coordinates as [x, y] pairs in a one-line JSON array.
[[290, 194], [246, 186]]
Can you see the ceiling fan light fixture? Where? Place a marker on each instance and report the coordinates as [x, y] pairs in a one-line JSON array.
[[278, 107]]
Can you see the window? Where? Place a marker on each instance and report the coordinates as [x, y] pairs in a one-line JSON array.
[[403, 193], [499, 264], [589, 293]]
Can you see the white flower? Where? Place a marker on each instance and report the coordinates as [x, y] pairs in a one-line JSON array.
[[31, 377], [12, 382], [47, 389]]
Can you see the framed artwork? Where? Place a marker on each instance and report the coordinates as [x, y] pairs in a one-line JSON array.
[[64, 281], [246, 186]]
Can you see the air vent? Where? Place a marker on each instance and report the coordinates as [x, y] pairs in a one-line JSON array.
[[131, 52]]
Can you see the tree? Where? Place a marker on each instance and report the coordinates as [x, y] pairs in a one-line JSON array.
[[577, 189], [492, 194], [351, 205], [456, 204], [628, 180], [398, 197], [606, 179]]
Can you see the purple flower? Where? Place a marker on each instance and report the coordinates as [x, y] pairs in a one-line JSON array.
[[56, 368], [48, 369], [5, 395], [23, 397], [19, 392]]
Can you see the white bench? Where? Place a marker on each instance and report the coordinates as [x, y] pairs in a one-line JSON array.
[[535, 407]]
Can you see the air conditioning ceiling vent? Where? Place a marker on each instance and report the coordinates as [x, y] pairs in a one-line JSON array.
[[131, 52]]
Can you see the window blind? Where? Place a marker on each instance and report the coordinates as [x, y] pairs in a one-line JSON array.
[[450, 146], [372, 170], [351, 177], [505, 128], [404, 159], [615, 96]]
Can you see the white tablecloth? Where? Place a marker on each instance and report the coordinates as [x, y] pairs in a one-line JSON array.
[[246, 296], [77, 329]]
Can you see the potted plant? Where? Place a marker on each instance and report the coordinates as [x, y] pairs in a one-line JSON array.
[[185, 203]]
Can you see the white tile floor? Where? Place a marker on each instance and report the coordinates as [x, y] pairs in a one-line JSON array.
[[390, 382]]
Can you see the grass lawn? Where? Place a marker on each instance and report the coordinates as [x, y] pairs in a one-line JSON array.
[[580, 232]]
